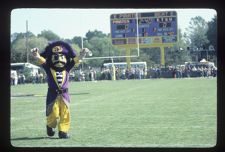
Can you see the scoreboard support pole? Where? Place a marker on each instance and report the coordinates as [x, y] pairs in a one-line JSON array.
[[128, 60], [162, 55], [113, 70]]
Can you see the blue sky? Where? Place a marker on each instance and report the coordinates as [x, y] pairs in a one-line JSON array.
[[68, 23]]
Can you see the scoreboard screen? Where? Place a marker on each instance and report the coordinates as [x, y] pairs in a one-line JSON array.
[[153, 27]]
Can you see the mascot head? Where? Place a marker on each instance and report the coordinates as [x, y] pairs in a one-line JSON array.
[[58, 54], [58, 59]]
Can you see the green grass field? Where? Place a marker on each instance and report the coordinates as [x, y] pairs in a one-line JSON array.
[[130, 113]]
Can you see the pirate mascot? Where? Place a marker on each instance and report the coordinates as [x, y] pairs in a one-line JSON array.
[[58, 59]]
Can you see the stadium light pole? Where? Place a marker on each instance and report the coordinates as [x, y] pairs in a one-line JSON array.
[[137, 33], [82, 46], [82, 43], [27, 41]]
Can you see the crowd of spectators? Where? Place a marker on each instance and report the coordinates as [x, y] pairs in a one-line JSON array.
[[17, 78], [20, 78], [105, 73], [182, 72], [38, 78], [153, 72]]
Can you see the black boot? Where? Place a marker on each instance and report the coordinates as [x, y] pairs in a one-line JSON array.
[[63, 135], [50, 131]]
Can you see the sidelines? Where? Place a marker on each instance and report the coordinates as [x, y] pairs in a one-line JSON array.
[[141, 116], [150, 127], [42, 95]]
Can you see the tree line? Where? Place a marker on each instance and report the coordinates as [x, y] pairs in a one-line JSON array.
[[200, 34]]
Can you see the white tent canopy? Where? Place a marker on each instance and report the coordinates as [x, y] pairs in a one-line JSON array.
[[203, 60], [34, 68], [28, 65]]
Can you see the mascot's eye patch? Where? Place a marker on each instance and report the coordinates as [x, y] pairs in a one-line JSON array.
[[56, 57]]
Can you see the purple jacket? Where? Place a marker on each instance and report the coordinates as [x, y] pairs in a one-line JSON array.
[[52, 85], [51, 73]]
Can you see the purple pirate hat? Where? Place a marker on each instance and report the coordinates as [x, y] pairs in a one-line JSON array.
[[65, 49]]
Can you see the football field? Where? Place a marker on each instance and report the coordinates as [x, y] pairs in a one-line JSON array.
[[126, 113]]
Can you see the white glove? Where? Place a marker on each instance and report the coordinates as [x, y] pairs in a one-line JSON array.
[[84, 52], [35, 52]]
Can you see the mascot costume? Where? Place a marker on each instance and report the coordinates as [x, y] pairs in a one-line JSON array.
[[58, 59]]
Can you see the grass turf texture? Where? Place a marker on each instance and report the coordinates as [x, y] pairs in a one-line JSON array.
[[131, 113]]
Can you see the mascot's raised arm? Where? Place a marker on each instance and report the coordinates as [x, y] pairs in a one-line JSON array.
[[42, 58], [58, 59]]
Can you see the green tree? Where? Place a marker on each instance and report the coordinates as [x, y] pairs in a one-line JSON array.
[[197, 31], [76, 47], [99, 47], [19, 50], [49, 35], [181, 49], [68, 41], [212, 34], [89, 35], [17, 36], [39, 42], [77, 40], [197, 35]]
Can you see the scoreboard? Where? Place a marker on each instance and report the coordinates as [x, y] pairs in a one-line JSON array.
[[148, 27]]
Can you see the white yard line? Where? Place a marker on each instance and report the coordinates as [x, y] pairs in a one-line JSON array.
[[144, 116], [148, 127]]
